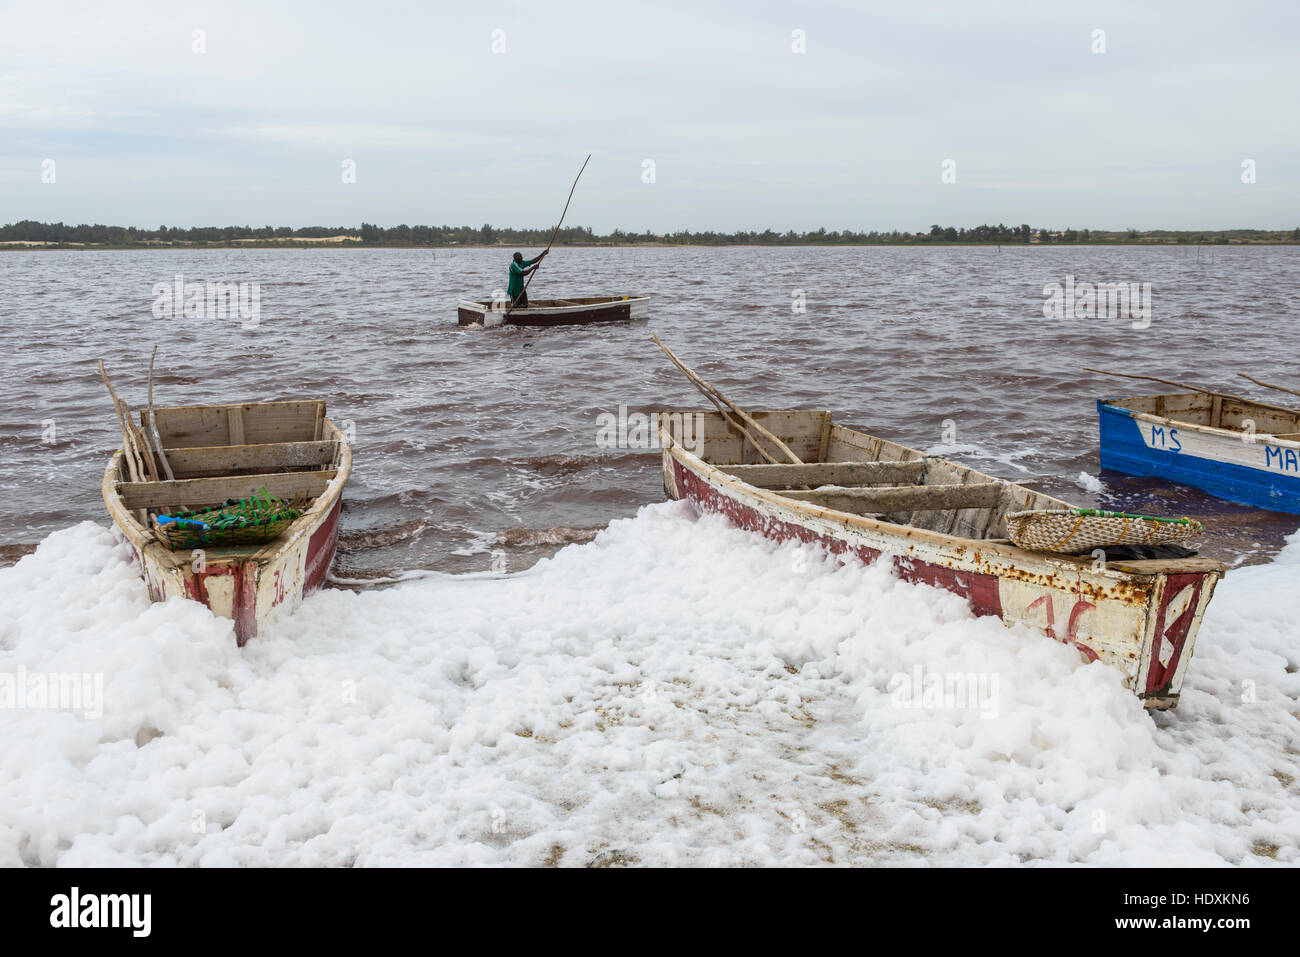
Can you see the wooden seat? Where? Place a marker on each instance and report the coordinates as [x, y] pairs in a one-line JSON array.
[[212, 491], [829, 473], [208, 461], [902, 498]]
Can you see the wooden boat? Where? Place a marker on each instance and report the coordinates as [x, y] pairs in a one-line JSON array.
[[1236, 449], [942, 524], [554, 312], [220, 452]]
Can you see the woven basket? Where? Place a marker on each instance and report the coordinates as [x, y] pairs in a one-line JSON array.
[[1077, 530], [174, 536], [255, 520]]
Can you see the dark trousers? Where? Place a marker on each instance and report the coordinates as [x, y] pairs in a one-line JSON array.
[[522, 301]]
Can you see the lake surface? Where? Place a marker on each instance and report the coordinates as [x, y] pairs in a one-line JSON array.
[[470, 442]]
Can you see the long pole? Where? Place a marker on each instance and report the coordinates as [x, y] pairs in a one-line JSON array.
[[712, 393], [128, 444], [134, 468], [1197, 389], [153, 423], [1181, 385], [1268, 385], [554, 232]]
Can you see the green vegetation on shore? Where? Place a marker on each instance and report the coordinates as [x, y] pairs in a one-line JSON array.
[[29, 233]]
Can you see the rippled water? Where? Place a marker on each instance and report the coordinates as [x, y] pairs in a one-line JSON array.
[[472, 441]]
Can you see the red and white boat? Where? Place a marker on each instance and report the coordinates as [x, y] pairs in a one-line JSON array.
[[222, 452], [942, 524]]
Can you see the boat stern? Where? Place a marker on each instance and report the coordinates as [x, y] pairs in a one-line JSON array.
[[1172, 625], [471, 313]]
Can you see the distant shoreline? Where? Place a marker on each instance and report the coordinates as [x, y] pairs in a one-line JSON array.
[[30, 234], [13, 246]]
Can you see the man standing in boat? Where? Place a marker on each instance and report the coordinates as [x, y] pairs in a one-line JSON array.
[[520, 268]]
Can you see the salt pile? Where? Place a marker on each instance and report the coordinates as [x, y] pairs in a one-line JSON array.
[[675, 692]]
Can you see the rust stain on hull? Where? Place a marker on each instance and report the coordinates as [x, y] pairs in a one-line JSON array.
[[1111, 614]]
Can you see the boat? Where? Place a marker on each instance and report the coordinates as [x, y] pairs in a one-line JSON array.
[[1236, 449], [218, 453], [939, 523], [553, 312]]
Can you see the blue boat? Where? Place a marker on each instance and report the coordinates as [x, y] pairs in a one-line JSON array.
[[1235, 449]]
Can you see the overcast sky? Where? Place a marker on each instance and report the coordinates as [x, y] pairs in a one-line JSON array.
[[744, 133]]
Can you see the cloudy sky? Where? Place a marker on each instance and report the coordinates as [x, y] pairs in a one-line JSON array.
[[743, 132]]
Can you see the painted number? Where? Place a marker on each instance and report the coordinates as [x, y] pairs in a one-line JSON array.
[[278, 582], [1071, 636]]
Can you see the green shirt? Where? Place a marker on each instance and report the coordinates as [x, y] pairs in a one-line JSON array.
[[517, 277]]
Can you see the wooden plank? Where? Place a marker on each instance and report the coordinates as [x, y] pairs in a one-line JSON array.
[[828, 473], [850, 445], [235, 417], [985, 527], [209, 491], [945, 522], [273, 422], [919, 498], [187, 427], [1266, 421], [195, 426], [825, 442], [724, 444], [228, 459], [1158, 566]]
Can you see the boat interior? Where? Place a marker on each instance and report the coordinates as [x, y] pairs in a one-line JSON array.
[[860, 474], [1216, 412], [558, 303], [220, 452]]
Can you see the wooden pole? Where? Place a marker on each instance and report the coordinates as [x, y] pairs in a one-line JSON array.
[[141, 447], [1268, 385], [121, 424], [153, 424], [731, 419], [711, 392], [735, 423], [554, 232], [132, 470], [1181, 385]]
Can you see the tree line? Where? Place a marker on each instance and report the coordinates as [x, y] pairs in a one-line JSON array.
[[369, 234]]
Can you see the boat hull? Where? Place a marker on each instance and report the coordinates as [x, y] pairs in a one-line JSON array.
[[1142, 624], [617, 310], [1238, 466], [250, 592]]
